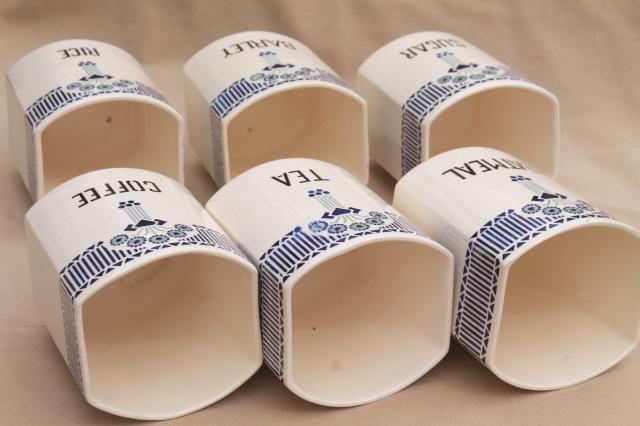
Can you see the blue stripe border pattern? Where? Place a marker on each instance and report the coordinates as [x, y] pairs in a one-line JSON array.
[[425, 100], [487, 249], [243, 90], [289, 254], [59, 97], [98, 260]]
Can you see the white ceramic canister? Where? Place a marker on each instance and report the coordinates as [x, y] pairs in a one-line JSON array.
[[430, 92], [80, 105], [152, 306], [547, 286], [355, 301], [258, 96]]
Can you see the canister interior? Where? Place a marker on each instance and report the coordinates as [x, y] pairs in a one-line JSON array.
[[171, 336], [571, 308], [516, 120], [110, 133], [300, 122], [370, 321]]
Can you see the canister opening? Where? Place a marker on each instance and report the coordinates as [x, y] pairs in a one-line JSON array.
[[110, 133], [300, 122], [171, 337], [571, 308], [517, 120], [369, 322]]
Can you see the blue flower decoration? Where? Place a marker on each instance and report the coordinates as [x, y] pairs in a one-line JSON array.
[[489, 71], [257, 76], [318, 225], [73, 86], [459, 79], [374, 221], [270, 77], [377, 214], [122, 83], [551, 210], [130, 203], [288, 76], [181, 227], [531, 208], [304, 71], [573, 209], [314, 192], [477, 76], [176, 233], [337, 228], [136, 241], [119, 240], [444, 79], [159, 239], [104, 86], [359, 226], [86, 87]]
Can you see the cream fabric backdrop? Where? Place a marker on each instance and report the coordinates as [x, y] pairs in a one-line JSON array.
[[586, 52]]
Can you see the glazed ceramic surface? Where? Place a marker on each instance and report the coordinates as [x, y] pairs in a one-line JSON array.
[[547, 292], [430, 92], [152, 306], [355, 300], [257, 96], [80, 105]]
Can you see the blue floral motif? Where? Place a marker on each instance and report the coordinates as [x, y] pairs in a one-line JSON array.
[[551, 210], [531, 208], [136, 241], [119, 240], [122, 83], [359, 226], [145, 229], [374, 221], [304, 71], [317, 192], [159, 239], [176, 233], [337, 228], [318, 225], [125, 204], [573, 209]]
